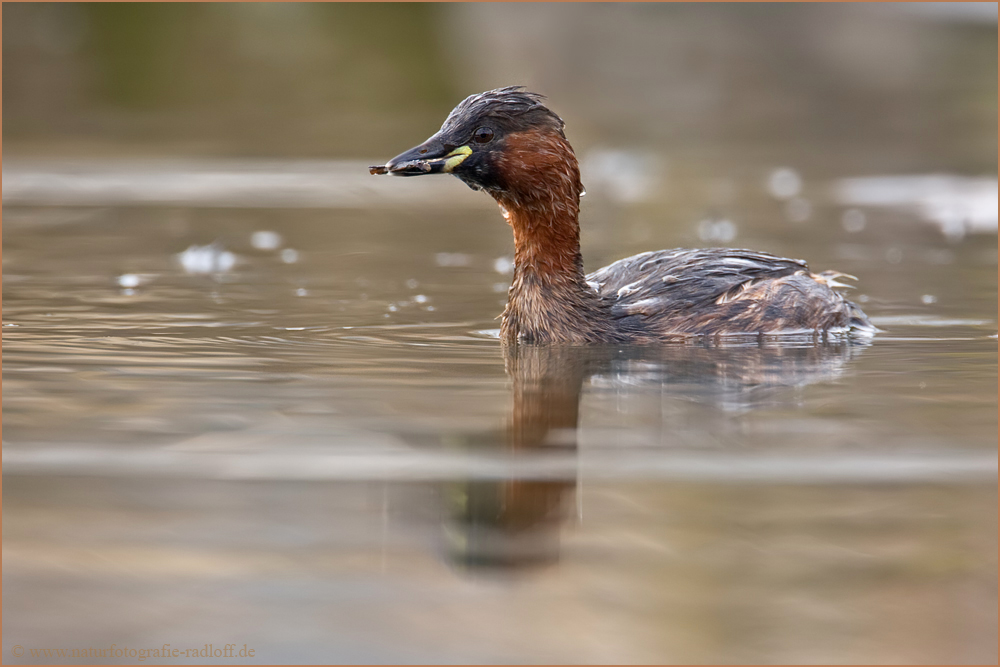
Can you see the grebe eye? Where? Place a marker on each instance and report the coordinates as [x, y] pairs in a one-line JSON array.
[[482, 135]]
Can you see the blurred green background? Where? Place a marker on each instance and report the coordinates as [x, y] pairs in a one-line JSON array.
[[849, 88]]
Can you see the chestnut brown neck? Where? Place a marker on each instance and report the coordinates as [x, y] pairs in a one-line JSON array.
[[549, 299], [546, 241], [541, 202]]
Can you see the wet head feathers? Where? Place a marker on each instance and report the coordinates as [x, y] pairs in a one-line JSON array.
[[510, 109]]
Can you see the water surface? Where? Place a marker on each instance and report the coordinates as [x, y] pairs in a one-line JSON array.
[[319, 448]]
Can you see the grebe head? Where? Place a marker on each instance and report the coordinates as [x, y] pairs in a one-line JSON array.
[[503, 141]]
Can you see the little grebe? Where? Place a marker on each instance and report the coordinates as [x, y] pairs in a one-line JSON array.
[[507, 143]]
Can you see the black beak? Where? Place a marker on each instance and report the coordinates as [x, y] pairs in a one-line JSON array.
[[430, 157]]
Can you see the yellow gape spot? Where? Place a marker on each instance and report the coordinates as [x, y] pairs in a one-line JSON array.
[[455, 158]]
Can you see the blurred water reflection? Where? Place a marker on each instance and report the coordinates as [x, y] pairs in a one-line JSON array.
[[513, 521]]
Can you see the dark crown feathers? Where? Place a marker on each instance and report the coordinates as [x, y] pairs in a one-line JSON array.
[[511, 104]]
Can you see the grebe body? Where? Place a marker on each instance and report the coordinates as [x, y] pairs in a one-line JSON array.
[[507, 143]]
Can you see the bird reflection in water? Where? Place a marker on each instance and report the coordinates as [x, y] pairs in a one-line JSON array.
[[515, 522]]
